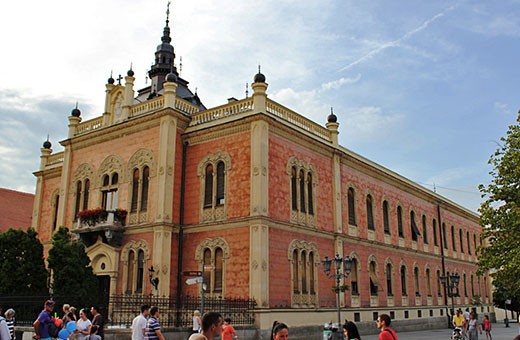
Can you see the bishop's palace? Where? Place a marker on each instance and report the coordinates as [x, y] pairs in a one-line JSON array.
[[257, 194]]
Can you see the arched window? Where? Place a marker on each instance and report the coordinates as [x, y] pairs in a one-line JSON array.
[[469, 242], [389, 290], [434, 227], [144, 190], [461, 240], [207, 273], [211, 256], [109, 192], [453, 240], [140, 271], [135, 190], [296, 271], [208, 188], [472, 283], [370, 214], [294, 194], [220, 183], [218, 270], [403, 280], [354, 277], [400, 221], [309, 194], [475, 243], [416, 281], [78, 200], [465, 285], [444, 239], [312, 285], [351, 207], [302, 191], [304, 272], [130, 277], [55, 215], [374, 282], [414, 229], [386, 218], [439, 290], [425, 229], [86, 193], [302, 256], [428, 282]]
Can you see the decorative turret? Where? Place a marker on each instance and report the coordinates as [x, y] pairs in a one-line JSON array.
[[259, 92], [74, 120], [45, 153], [333, 125]]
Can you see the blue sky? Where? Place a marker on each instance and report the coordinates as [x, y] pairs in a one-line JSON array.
[[425, 89]]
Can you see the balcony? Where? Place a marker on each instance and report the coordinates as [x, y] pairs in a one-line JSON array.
[[94, 224]]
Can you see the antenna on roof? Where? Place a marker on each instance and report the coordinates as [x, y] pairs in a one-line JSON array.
[[76, 104], [247, 90], [180, 65]]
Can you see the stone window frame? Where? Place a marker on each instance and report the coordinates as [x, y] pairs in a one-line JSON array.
[[83, 177], [304, 296], [132, 268], [138, 161], [373, 277], [306, 212], [416, 280], [403, 278], [54, 204], [389, 277], [111, 165], [209, 275], [215, 212]]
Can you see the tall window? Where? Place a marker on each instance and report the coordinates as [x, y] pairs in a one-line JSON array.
[[135, 190], [303, 182], [302, 191], [309, 194], [303, 256], [435, 239], [220, 183], [212, 254], [425, 229], [86, 191], [475, 243], [428, 282], [134, 257], [131, 268], [208, 188], [469, 242], [296, 272], [465, 285], [453, 240], [55, 214], [82, 195], [214, 188], [294, 192], [386, 218], [370, 214], [351, 206], [140, 184], [413, 225], [109, 191], [444, 239], [439, 290], [374, 282], [78, 199], [354, 277], [389, 279], [403, 280], [400, 221], [140, 271], [461, 240], [416, 281], [472, 283]]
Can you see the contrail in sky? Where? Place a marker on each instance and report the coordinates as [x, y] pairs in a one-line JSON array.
[[393, 43]]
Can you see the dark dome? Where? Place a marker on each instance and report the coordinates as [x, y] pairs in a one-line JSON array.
[[130, 73], [332, 118], [259, 78], [111, 80], [47, 144], [171, 77], [76, 112]]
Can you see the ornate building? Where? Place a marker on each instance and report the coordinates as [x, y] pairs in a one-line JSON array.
[[259, 194]]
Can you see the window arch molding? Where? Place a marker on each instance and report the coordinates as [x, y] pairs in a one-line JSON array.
[[111, 164], [140, 163], [213, 246], [304, 259], [83, 181], [373, 275], [214, 210], [303, 184], [130, 265]]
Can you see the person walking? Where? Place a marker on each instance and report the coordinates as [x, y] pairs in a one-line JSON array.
[[383, 323], [98, 320], [473, 327], [228, 332], [153, 327], [11, 322], [83, 325], [139, 323], [211, 327], [197, 323], [4, 329], [350, 330], [487, 327], [280, 331], [41, 325]]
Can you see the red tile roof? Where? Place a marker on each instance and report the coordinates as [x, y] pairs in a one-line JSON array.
[[15, 209]]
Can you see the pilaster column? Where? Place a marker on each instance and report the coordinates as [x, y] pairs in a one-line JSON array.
[[336, 187], [162, 249], [259, 263], [259, 196], [107, 115], [166, 167], [129, 95], [64, 183], [170, 90]]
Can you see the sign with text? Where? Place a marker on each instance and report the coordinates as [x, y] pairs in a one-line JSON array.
[[194, 280], [192, 273]]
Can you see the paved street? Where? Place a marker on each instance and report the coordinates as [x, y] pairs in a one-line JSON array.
[[499, 332]]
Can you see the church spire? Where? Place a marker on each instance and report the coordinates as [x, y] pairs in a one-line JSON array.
[[166, 33]]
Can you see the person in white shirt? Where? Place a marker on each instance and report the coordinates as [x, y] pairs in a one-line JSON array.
[[83, 325], [139, 323]]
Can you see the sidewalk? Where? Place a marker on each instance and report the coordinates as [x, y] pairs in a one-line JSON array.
[[498, 332]]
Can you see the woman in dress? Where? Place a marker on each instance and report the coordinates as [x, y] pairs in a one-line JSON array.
[[280, 331], [473, 327]]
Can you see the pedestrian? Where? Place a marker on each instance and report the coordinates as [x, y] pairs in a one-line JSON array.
[[98, 320], [487, 327], [41, 325], [280, 331], [4, 329], [350, 330], [383, 323], [211, 327], [93, 333], [153, 327], [73, 313], [197, 323], [459, 320], [11, 322], [83, 325], [139, 323], [473, 327], [228, 332]]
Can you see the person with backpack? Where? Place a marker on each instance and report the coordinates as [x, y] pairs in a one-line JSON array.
[[387, 333], [43, 326]]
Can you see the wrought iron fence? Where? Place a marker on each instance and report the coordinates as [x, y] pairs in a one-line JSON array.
[[121, 309], [173, 313]]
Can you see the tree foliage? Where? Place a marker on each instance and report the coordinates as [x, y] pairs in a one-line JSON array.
[[71, 271], [500, 215], [22, 268]]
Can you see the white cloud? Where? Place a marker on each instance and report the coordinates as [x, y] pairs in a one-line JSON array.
[[336, 84]]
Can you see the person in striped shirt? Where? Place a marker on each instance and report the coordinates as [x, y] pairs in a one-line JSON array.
[[153, 327], [9, 318]]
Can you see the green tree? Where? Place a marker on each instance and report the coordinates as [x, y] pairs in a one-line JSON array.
[[71, 271], [500, 215], [22, 268]]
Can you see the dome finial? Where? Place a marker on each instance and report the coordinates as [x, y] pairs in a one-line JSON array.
[[47, 144], [111, 80], [332, 117], [130, 72], [76, 112], [259, 77]]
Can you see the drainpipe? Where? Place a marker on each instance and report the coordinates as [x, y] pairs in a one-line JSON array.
[[443, 263], [181, 235]]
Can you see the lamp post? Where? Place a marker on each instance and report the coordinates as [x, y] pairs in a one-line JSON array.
[[451, 282], [154, 281], [341, 270]]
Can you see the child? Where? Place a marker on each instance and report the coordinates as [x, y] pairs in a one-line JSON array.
[[487, 327], [228, 332]]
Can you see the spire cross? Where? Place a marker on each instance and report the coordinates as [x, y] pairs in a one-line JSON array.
[[119, 79], [168, 13]]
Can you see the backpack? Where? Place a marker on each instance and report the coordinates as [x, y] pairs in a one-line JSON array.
[[53, 330]]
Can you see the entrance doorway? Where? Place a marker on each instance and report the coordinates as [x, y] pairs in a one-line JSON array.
[[103, 294]]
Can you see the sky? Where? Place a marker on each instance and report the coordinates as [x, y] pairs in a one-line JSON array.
[[423, 88]]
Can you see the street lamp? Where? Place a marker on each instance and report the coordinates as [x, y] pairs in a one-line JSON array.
[[342, 269], [451, 282], [153, 280]]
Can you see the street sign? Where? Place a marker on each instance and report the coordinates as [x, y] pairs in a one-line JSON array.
[[194, 280], [192, 273]]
